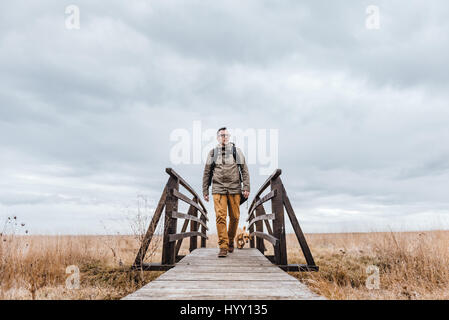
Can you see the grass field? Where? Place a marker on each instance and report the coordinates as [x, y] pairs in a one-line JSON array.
[[412, 265]]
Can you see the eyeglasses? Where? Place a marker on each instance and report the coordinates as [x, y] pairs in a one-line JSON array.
[[224, 135]]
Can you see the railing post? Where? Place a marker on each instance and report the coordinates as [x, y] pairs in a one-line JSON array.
[[203, 230], [251, 241], [194, 227], [277, 206], [259, 227], [170, 223]]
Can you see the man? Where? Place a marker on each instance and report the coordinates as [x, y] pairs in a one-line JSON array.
[[227, 175]]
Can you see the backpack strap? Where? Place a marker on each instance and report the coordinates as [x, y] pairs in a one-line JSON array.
[[236, 157], [214, 156], [212, 165]]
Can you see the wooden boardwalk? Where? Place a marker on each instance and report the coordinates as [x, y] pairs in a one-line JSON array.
[[243, 275]]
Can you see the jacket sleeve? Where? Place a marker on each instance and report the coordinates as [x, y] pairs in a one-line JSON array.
[[206, 173], [245, 171]]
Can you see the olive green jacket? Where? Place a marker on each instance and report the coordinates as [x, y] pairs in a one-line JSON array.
[[226, 178]]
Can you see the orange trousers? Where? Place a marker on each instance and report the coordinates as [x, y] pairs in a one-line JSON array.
[[221, 203]]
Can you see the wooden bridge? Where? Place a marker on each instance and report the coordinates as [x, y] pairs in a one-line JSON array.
[[244, 274]]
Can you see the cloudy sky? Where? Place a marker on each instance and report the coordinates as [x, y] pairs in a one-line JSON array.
[[362, 114]]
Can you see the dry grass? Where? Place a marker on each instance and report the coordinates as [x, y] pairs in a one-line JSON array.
[[34, 267], [412, 265]]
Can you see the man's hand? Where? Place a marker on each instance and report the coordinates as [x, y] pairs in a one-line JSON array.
[[246, 194], [206, 197]]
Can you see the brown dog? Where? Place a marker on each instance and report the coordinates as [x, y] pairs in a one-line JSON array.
[[242, 238]]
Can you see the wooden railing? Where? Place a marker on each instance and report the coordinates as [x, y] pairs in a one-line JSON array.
[[275, 234], [171, 239]]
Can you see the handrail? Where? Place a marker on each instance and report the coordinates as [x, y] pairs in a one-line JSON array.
[[184, 198], [174, 174], [265, 185], [182, 235], [172, 240], [270, 216], [257, 217], [265, 198], [180, 215], [274, 241]]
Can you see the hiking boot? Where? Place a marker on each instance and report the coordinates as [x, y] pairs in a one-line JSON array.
[[222, 253], [231, 247]]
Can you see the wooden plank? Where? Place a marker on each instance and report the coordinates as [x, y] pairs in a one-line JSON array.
[[215, 276], [298, 232], [184, 198], [208, 296], [224, 289], [269, 216], [221, 262], [187, 217], [215, 252], [173, 173], [251, 240], [194, 227], [265, 185], [236, 255], [203, 230], [277, 207], [184, 269], [229, 294], [224, 285], [231, 256], [267, 224], [171, 205], [265, 236], [192, 217], [243, 275], [259, 229], [151, 229], [177, 236], [183, 229], [259, 202], [214, 249]]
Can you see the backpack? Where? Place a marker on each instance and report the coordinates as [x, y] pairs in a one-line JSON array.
[[212, 167]]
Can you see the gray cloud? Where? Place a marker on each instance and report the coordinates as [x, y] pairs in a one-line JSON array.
[[85, 115]]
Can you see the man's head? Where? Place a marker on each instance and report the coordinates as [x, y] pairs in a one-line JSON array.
[[223, 136]]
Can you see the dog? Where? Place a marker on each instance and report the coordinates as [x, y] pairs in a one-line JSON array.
[[242, 238]]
